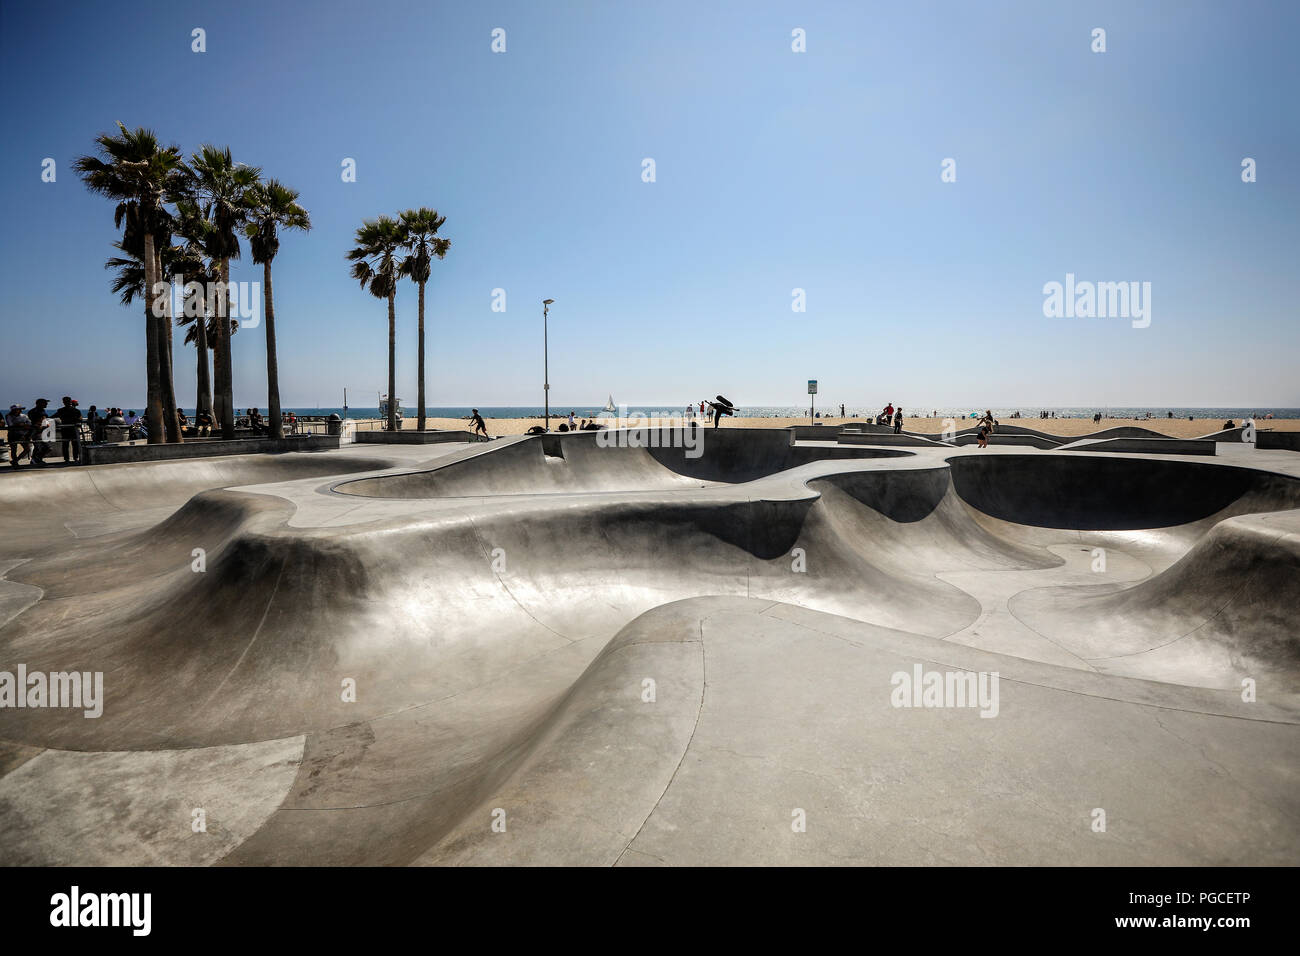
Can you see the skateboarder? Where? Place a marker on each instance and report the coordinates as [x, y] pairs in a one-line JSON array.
[[480, 427]]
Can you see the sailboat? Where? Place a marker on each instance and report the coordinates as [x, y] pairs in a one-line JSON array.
[[610, 406]]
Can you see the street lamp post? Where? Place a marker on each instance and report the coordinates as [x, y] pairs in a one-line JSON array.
[[546, 362]]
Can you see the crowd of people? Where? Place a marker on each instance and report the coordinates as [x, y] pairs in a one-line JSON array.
[[890, 415], [34, 436]]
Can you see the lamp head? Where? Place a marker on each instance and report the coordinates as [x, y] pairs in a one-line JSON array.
[[548, 302]]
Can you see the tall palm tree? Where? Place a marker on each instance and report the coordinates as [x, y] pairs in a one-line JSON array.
[[129, 284], [272, 206], [375, 265], [166, 266], [222, 187], [421, 240], [196, 266], [134, 169]]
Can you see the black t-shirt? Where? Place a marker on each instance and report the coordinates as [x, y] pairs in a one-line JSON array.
[[68, 415]]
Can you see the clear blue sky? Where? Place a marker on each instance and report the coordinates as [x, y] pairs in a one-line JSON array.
[[775, 170]]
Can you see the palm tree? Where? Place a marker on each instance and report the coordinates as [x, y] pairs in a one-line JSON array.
[[129, 284], [222, 187], [166, 265], [375, 265], [273, 206], [196, 266], [135, 170], [421, 240]]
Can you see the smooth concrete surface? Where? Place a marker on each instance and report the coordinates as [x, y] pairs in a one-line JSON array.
[[540, 650], [204, 448], [1002, 437], [430, 436], [1152, 446], [867, 438], [1271, 439]]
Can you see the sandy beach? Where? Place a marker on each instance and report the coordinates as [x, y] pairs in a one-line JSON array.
[[1068, 427]]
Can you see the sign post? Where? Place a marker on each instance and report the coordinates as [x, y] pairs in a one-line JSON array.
[[812, 390]]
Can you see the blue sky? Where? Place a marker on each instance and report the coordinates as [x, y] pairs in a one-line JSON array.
[[775, 170]]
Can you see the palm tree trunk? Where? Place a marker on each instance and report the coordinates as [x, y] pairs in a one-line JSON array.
[[203, 401], [421, 359], [170, 426], [392, 363], [272, 364], [223, 370], [153, 394], [218, 400], [166, 374]]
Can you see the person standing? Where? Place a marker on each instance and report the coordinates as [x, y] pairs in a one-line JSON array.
[[898, 421], [19, 427], [39, 416], [69, 416], [95, 421]]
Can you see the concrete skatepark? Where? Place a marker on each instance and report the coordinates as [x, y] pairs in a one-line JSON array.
[[507, 611]]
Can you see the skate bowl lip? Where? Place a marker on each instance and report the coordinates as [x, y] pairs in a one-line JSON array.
[[783, 436], [1225, 486]]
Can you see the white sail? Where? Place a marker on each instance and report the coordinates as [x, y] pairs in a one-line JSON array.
[[610, 406]]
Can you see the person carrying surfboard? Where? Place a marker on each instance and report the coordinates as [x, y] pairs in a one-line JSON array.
[[721, 407]]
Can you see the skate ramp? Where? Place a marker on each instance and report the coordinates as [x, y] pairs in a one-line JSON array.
[[39, 509], [633, 460], [499, 643], [1114, 494]]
